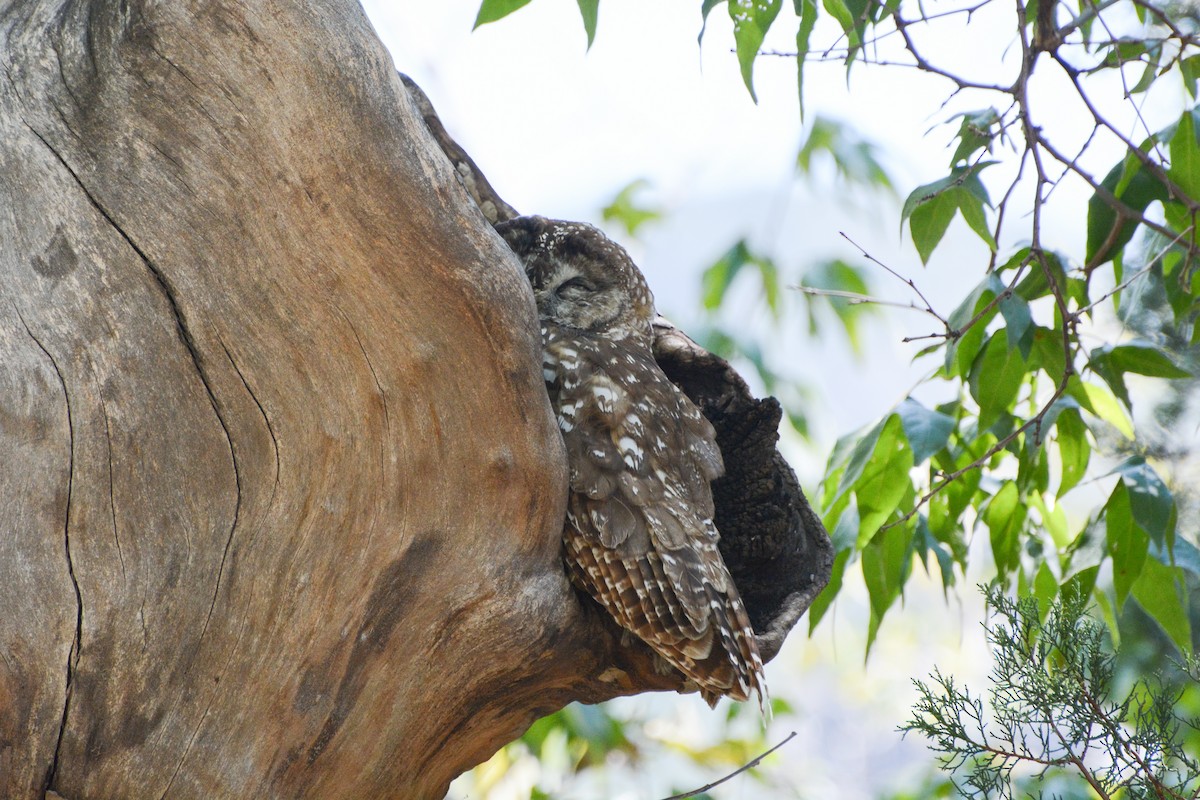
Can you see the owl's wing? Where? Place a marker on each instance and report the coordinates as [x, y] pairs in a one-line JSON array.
[[640, 536]]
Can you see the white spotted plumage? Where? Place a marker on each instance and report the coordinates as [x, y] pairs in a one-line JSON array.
[[639, 537]]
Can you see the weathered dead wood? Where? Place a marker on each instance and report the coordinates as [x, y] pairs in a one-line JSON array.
[[280, 492]]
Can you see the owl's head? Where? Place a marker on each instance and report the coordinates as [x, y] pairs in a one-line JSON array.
[[580, 277]]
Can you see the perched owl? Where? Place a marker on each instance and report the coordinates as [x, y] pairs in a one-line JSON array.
[[639, 536]]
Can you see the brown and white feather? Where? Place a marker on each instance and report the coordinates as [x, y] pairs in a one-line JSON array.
[[639, 536]]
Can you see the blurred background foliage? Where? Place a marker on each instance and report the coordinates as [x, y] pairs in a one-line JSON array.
[[1049, 446]]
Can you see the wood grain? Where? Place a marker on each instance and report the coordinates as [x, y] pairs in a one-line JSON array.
[[280, 491]]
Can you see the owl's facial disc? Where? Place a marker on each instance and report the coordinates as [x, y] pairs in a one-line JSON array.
[[580, 277], [589, 302]]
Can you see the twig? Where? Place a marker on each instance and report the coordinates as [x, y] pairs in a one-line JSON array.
[[753, 763], [858, 299], [926, 66], [1126, 283], [1002, 206], [1153, 167], [1087, 14], [928, 308]]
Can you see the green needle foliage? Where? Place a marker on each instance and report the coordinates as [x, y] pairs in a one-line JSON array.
[[1055, 709]]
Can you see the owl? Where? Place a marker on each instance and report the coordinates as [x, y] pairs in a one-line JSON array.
[[639, 536]]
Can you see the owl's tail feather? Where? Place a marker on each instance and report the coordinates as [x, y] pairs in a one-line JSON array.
[[741, 649], [721, 656]]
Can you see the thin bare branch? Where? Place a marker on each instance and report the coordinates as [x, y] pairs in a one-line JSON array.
[[749, 765], [857, 299], [908, 281], [1120, 287]]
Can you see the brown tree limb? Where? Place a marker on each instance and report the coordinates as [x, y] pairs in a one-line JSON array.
[[282, 491]]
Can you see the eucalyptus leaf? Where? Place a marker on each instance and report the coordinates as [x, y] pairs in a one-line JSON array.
[[1160, 590], [589, 10], [492, 10], [1151, 502], [751, 21], [1005, 517], [927, 431]]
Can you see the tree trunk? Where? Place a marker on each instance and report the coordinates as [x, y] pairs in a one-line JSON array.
[[280, 491]]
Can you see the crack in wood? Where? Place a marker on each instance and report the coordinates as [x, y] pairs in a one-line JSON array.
[[73, 656], [197, 361]]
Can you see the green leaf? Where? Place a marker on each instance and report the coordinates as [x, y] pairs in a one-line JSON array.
[[1184, 554], [961, 353], [996, 378], [958, 495], [857, 160], [927, 431], [707, 6], [1161, 591], [1054, 520], [839, 276], [1018, 323], [806, 10], [928, 222], [825, 599], [1151, 502], [1147, 79], [886, 562], [751, 21], [1045, 588], [1033, 466], [1080, 583], [1101, 402], [1004, 517], [1073, 447], [492, 10], [1144, 358], [1109, 615], [1127, 543], [838, 10], [1185, 155], [1107, 231], [1111, 362], [1049, 354], [924, 542], [1035, 284], [1088, 550], [884, 480], [717, 278], [626, 210], [1189, 68], [974, 133], [855, 454], [1100, 364], [971, 205], [589, 10], [769, 274], [930, 208], [853, 16]]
